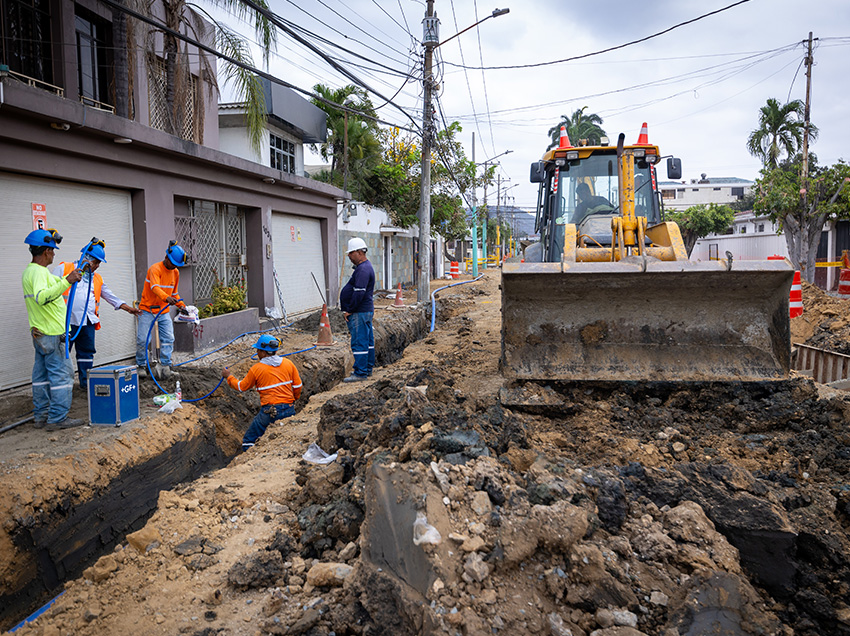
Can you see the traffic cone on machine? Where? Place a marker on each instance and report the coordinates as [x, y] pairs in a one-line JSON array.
[[643, 138], [325, 337], [564, 139], [398, 302]]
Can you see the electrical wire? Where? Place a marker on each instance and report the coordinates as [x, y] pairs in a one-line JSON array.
[[609, 49]]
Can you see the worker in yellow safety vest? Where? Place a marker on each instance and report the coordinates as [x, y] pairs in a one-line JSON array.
[[85, 314]]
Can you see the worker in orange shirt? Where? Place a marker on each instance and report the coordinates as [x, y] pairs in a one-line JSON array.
[[278, 383], [160, 291]]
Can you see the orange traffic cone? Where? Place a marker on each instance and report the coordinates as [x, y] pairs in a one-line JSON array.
[[643, 138], [325, 336], [795, 298], [564, 140], [398, 302]]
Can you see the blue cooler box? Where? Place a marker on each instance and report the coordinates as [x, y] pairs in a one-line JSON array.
[[113, 395]]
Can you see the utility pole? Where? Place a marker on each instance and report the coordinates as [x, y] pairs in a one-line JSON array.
[[474, 216], [804, 177], [431, 39], [484, 225]]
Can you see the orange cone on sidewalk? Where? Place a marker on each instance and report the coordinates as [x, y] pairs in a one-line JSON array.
[[643, 138], [398, 302], [325, 336], [564, 141]]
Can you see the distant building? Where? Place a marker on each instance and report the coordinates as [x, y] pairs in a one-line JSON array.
[[680, 195]]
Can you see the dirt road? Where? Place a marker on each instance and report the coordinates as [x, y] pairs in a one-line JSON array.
[[604, 511]]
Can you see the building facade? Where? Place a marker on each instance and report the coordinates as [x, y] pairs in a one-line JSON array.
[[93, 143], [680, 195]]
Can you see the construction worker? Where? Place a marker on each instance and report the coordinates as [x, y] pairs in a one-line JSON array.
[[589, 203], [278, 383], [52, 373], [159, 292], [355, 300], [85, 318]]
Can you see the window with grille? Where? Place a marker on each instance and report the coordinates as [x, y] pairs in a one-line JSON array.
[[93, 59], [160, 115], [213, 235], [282, 154], [668, 194], [26, 42]]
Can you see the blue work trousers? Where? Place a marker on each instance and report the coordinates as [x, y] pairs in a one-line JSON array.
[[166, 337], [268, 414], [362, 342], [84, 350], [52, 380]]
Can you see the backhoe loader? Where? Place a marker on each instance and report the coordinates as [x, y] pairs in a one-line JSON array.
[[608, 293]]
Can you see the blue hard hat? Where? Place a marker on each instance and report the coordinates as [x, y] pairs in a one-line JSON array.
[[266, 343], [95, 249], [44, 238], [176, 254]]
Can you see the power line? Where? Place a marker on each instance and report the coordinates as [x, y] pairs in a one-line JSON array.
[[609, 49]]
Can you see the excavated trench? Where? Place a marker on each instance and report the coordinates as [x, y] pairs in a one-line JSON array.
[[103, 494]]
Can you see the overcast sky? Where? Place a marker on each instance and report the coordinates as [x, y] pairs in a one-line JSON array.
[[699, 86]]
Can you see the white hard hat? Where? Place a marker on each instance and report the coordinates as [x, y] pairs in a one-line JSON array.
[[355, 244]]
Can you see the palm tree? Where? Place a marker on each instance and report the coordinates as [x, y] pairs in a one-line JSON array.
[[780, 130], [364, 150], [182, 99], [579, 126]]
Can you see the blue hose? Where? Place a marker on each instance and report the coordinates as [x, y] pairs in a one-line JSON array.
[[434, 300], [68, 315], [148, 361]]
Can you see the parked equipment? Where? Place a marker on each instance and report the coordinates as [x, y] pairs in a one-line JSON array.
[[609, 293]]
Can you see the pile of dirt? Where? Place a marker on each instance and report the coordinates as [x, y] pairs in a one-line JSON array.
[[619, 510], [825, 322]]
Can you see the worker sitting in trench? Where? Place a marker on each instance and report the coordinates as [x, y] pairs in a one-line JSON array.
[[278, 383]]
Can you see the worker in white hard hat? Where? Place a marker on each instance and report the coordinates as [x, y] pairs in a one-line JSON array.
[[355, 300]]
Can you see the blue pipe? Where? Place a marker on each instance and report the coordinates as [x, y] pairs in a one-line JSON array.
[[434, 300], [41, 610]]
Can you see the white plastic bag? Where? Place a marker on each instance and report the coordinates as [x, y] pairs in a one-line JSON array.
[[274, 312], [423, 532], [190, 316], [170, 406], [316, 455]]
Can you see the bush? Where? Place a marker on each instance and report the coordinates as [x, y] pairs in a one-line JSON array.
[[226, 298]]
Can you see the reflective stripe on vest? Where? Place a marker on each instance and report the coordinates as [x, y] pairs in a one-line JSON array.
[[96, 285]]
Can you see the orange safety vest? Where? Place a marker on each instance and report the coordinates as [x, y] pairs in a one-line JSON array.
[[96, 285]]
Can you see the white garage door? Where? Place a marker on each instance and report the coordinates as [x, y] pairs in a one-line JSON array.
[[78, 212], [298, 256]]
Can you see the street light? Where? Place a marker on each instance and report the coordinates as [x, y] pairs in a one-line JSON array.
[[485, 163], [431, 40]]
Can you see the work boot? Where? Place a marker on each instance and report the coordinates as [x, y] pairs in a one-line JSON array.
[[142, 372], [167, 373], [355, 378], [68, 422], [39, 423]]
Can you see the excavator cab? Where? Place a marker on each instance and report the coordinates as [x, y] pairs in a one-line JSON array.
[[609, 294]]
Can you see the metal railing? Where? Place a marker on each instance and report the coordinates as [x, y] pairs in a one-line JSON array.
[[36, 83]]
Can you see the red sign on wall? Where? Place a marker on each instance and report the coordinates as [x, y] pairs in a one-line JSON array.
[[39, 216]]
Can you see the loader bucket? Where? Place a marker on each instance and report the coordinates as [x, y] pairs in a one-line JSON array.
[[646, 320]]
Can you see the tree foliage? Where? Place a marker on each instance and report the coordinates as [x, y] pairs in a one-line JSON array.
[[580, 125], [363, 146], [780, 131], [801, 213], [395, 183], [701, 220]]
